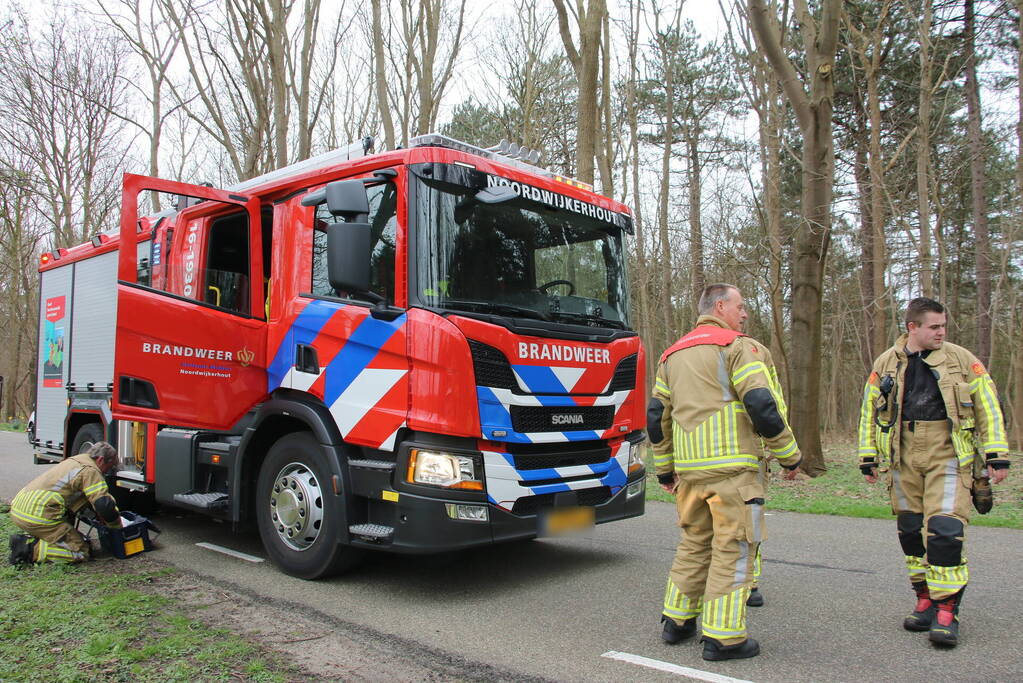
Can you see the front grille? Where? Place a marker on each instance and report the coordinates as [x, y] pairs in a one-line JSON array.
[[543, 461], [625, 374], [530, 505], [491, 367], [561, 418]]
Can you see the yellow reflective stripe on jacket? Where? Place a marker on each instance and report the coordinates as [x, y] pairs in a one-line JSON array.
[[98, 487], [964, 446], [661, 386], [748, 370], [990, 415], [662, 460], [779, 395], [867, 443], [30, 507], [785, 451], [712, 444]]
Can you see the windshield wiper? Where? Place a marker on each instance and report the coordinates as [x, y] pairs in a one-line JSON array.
[[498, 308], [587, 318]]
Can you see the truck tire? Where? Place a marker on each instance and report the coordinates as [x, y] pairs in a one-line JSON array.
[[85, 437], [297, 512]]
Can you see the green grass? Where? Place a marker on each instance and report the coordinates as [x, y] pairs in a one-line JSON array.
[[14, 425], [92, 622], [842, 491]]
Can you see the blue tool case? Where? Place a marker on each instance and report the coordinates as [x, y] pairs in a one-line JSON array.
[[129, 540]]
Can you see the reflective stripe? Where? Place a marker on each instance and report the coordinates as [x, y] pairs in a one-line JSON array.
[[785, 451], [867, 434], [740, 564], [98, 487], [748, 370], [727, 394], [725, 617], [900, 497], [951, 483], [661, 386], [662, 459], [757, 513], [915, 566], [30, 507], [947, 579], [964, 446], [678, 605], [714, 463], [65, 480], [983, 391]]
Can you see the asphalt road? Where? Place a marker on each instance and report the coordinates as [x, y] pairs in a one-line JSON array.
[[552, 609]]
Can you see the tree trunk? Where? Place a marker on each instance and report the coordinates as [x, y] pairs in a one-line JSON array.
[[978, 185], [923, 148], [380, 77], [697, 277], [1017, 404], [813, 112]]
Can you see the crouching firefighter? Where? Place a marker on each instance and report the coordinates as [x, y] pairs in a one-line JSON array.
[[716, 404], [46, 508], [929, 409]]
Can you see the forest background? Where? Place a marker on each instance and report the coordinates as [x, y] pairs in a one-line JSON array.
[[831, 158]]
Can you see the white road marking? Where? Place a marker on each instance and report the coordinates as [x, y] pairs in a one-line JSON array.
[[695, 674], [228, 551]]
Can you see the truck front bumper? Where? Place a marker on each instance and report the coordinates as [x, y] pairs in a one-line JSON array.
[[422, 524]]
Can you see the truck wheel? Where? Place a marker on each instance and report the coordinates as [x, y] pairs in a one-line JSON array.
[[297, 512], [86, 436]]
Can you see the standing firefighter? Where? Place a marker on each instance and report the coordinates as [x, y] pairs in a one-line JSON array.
[[46, 507], [928, 407], [716, 403]]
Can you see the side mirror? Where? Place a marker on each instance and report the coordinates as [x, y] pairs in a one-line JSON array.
[[349, 248], [344, 198]]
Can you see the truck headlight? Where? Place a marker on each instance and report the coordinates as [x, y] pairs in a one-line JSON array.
[[436, 468], [635, 458]]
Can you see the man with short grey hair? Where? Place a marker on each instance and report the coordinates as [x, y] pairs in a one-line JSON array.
[[45, 509], [716, 404]]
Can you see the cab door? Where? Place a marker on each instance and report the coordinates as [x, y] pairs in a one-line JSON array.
[[191, 352]]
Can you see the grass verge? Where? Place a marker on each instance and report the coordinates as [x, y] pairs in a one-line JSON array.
[[97, 621], [842, 491], [12, 426]]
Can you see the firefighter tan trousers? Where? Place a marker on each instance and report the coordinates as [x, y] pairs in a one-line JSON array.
[[722, 524], [930, 494], [56, 540]]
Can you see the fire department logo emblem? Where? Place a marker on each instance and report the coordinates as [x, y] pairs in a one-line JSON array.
[[978, 369], [244, 356]]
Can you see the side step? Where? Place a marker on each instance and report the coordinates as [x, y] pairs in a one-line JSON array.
[[206, 502], [41, 458], [372, 533]]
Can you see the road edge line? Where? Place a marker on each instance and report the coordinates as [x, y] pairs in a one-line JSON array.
[[668, 667]]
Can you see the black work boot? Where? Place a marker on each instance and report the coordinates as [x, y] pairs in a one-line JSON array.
[[755, 599], [923, 613], [714, 651], [945, 627], [21, 549], [673, 633]]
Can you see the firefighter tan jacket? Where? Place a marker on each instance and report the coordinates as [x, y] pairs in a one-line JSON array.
[[711, 394], [971, 403], [66, 487]]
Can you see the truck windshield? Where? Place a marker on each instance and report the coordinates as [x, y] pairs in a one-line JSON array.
[[550, 258]]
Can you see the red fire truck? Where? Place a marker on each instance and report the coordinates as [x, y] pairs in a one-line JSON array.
[[415, 351]]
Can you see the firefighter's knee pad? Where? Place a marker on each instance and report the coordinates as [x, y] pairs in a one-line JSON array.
[[911, 526], [945, 541]]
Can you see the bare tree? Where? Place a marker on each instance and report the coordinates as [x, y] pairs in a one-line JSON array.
[[978, 185], [585, 60], [64, 111], [149, 37], [813, 109]]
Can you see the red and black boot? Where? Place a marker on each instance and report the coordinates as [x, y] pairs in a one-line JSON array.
[[923, 613], [945, 627]]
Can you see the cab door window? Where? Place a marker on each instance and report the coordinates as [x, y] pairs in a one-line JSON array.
[[383, 201]]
